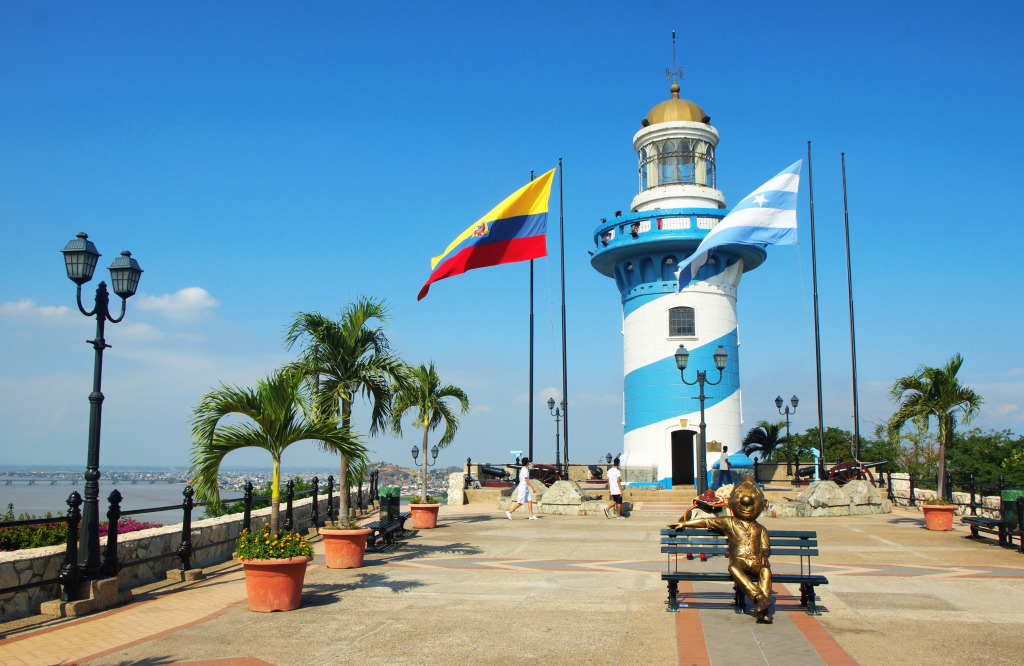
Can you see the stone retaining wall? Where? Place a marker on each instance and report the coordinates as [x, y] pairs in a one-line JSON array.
[[34, 564], [988, 506]]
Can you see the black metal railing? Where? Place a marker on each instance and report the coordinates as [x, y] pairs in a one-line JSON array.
[[70, 577]]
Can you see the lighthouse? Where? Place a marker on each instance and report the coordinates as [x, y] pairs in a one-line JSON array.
[[678, 203]]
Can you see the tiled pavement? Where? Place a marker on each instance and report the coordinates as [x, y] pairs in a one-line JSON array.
[[559, 590]]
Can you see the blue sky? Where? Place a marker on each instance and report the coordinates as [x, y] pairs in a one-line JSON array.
[[261, 159]]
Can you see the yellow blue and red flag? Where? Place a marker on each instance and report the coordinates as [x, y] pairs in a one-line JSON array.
[[514, 230]]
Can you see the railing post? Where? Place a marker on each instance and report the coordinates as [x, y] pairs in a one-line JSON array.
[[289, 495], [949, 486], [360, 494], [330, 498], [247, 504], [974, 505], [999, 504], [109, 566], [315, 513], [910, 477], [69, 573], [185, 548], [755, 470], [888, 482]]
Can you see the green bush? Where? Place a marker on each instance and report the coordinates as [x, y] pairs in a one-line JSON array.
[[31, 536], [260, 545]]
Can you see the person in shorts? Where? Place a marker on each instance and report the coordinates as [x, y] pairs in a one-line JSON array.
[[615, 490], [524, 491]]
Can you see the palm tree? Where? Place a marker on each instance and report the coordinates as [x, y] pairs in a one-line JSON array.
[[935, 392], [765, 439], [277, 418], [425, 396], [344, 359]]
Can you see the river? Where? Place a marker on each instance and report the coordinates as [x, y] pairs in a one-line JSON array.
[[38, 499]]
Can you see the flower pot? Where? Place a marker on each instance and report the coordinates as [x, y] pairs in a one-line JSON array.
[[344, 549], [274, 584], [938, 516], [424, 516]]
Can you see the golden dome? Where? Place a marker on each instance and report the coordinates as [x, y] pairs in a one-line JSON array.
[[675, 109]]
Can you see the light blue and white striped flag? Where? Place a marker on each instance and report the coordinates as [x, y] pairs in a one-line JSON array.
[[766, 217]]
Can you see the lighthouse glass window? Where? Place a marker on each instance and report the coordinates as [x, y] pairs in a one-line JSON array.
[[681, 323]]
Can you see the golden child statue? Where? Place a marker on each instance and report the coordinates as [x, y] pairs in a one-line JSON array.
[[749, 547]]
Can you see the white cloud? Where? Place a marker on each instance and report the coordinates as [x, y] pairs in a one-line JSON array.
[[185, 304], [26, 310]]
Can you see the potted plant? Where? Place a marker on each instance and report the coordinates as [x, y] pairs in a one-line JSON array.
[[275, 568], [344, 543], [424, 514], [938, 514], [424, 397]]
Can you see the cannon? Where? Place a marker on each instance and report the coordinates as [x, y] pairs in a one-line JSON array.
[[499, 472], [596, 472]]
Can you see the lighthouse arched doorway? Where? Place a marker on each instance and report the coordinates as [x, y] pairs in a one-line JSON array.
[[684, 471]]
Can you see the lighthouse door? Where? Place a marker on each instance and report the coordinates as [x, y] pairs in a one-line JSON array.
[[683, 455]]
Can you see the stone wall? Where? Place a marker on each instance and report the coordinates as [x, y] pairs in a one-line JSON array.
[[35, 564], [988, 506]]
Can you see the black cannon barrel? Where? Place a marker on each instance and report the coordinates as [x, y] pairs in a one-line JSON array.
[[595, 471], [499, 472], [805, 471]]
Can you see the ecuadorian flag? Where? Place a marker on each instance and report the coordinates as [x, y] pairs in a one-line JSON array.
[[514, 230]]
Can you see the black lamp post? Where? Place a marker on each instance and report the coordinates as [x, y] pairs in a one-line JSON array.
[[80, 257], [720, 356], [778, 403], [426, 464], [558, 415]]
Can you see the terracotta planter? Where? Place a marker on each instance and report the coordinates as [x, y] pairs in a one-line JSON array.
[[274, 584], [424, 516], [344, 548], [938, 516]]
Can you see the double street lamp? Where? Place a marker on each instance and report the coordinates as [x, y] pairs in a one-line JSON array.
[[558, 416], [80, 257], [682, 357], [426, 464], [778, 403]]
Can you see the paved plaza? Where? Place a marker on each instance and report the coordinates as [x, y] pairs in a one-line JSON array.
[[481, 589]]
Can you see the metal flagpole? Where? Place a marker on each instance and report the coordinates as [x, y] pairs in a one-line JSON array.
[[530, 401], [565, 385], [853, 335], [817, 337]]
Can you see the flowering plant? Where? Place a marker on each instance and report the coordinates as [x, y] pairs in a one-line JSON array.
[[261, 545]]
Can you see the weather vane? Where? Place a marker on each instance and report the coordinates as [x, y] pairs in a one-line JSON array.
[[671, 74]]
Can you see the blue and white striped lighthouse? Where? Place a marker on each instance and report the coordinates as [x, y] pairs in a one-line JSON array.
[[678, 204]]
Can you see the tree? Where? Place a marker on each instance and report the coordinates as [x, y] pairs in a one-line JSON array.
[[344, 359], [765, 439], [424, 395], [277, 416], [935, 393]]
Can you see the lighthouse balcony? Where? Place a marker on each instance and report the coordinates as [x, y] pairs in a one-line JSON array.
[[642, 251]]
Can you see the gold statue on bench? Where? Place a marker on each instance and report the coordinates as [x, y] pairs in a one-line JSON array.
[[749, 546]]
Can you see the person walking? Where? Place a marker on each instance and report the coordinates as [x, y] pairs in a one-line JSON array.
[[524, 490], [724, 474], [615, 490]]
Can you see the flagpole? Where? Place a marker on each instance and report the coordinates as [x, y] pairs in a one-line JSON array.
[[530, 406], [817, 337], [565, 384], [853, 335]]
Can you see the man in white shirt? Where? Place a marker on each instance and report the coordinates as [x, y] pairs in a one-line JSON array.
[[615, 490], [724, 475], [524, 490]]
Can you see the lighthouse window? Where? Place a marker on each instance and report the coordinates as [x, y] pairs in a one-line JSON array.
[[681, 322], [677, 161]]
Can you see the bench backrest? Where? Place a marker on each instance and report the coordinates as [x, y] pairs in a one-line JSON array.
[[802, 544]]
